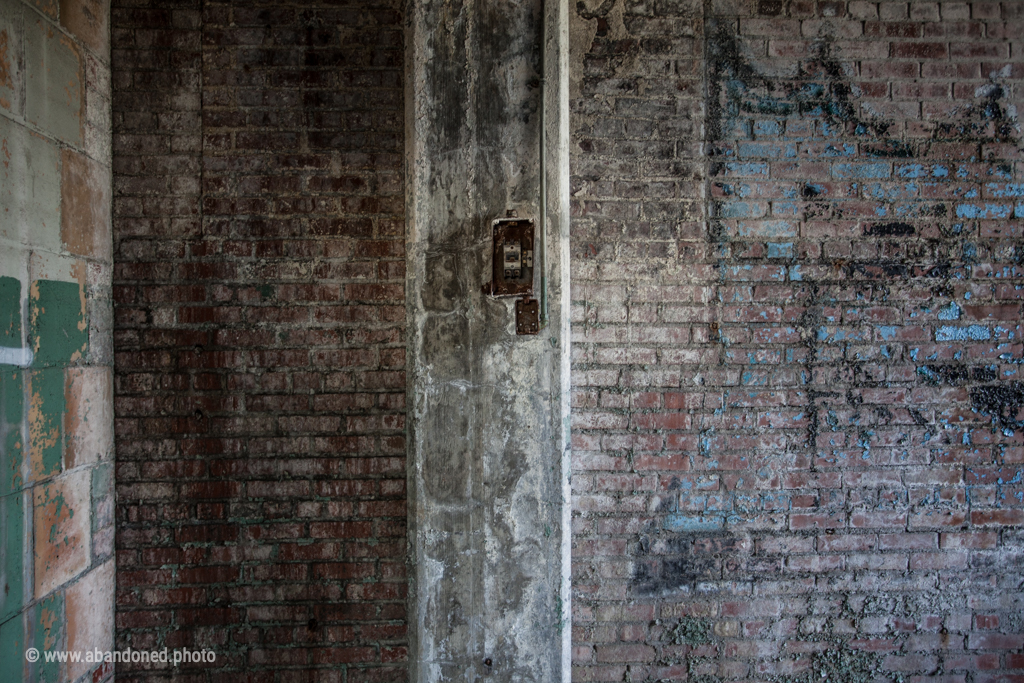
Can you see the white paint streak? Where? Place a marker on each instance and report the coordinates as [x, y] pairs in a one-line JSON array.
[[15, 356]]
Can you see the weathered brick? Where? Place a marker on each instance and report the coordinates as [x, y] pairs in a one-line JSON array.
[[212, 128]]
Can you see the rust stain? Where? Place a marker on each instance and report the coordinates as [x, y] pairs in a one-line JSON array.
[[61, 522], [35, 312], [44, 433], [79, 272], [5, 63], [6, 153], [48, 619], [49, 7]]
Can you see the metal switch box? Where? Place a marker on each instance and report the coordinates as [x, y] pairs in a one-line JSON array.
[[512, 257]]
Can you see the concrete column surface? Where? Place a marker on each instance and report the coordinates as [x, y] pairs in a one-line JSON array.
[[489, 415]]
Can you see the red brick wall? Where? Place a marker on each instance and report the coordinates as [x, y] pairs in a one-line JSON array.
[[797, 287], [259, 233]]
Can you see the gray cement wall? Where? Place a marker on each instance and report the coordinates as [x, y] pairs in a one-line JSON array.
[[488, 447]]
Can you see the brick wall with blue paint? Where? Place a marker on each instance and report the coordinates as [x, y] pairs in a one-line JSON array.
[[797, 341], [56, 446]]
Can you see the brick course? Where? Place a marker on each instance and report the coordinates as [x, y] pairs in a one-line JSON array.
[[259, 235]]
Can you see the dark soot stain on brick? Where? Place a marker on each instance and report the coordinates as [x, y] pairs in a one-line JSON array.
[[955, 375], [1000, 401], [889, 230]]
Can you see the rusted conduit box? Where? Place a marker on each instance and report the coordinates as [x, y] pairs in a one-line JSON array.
[[512, 249]]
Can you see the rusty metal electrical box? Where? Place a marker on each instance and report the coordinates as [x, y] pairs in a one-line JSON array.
[[512, 257], [527, 316]]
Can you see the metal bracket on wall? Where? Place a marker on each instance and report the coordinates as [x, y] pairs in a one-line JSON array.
[[527, 316]]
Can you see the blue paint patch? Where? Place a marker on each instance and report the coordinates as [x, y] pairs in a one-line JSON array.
[[971, 333], [796, 274], [1002, 190], [780, 250], [865, 170], [740, 210], [911, 171], [681, 522], [950, 312], [786, 209], [745, 169], [768, 128], [888, 332], [746, 502], [811, 90], [844, 150], [771, 150], [983, 211], [891, 193], [767, 228]]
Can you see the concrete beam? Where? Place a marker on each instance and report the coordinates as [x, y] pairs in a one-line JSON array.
[[489, 414]]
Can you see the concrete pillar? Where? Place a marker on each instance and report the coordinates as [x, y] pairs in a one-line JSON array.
[[489, 413]]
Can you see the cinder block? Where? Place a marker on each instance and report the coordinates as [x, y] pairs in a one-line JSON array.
[[12, 417], [54, 79], [46, 629], [11, 388], [12, 649], [97, 110], [29, 211], [12, 555], [58, 325], [45, 417], [12, 58], [88, 417], [85, 207], [89, 607], [10, 311], [61, 528], [87, 21]]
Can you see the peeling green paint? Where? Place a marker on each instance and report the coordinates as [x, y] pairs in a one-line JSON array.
[[45, 418], [59, 510], [12, 411], [12, 649], [59, 329], [10, 312], [12, 561], [48, 620]]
